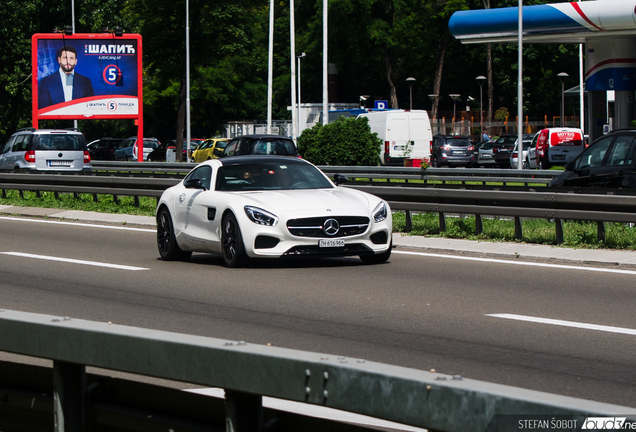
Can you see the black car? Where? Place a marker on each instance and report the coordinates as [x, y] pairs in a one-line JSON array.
[[609, 162], [260, 145], [104, 148], [452, 150], [502, 150]]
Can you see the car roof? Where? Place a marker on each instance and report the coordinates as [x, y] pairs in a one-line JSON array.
[[263, 136], [240, 160]]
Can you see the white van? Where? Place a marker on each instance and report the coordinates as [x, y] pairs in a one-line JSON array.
[[404, 134]]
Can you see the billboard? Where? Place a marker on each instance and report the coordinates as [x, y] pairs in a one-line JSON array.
[[86, 76]]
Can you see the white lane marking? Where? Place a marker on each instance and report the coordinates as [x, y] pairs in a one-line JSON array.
[[79, 224], [73, 261], [521, 263], [586, 326], [315, 411]]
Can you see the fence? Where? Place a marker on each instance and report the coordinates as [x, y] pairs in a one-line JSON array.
[[472, 127], [66, 398]]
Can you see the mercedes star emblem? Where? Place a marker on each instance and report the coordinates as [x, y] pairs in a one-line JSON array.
[[331, 227]]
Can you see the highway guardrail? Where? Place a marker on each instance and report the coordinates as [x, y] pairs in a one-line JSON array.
[[66, 397], [545, 203]]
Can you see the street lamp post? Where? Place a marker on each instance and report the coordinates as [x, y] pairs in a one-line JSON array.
[[480, 79], [299, 56], [563, 76], [454, 96], [410, 81]]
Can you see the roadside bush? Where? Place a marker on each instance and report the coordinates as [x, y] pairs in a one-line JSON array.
[[347, 141]]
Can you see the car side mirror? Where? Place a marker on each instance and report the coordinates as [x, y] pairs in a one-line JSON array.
[[569, 166], [339, 179], [193, 184], [218, 152]]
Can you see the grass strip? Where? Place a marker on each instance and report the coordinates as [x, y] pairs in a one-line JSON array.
[[578, 234]]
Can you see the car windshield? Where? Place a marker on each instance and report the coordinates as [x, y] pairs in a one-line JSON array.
[[60, 142], [458, 142], [150, 145], [221, 144], [270, 176], [273, 147]]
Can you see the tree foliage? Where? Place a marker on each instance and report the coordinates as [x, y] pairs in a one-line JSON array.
[[374, 44], [347, 142]]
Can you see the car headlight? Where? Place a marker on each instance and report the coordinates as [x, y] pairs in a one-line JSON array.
[[380, 212], [260, 216]]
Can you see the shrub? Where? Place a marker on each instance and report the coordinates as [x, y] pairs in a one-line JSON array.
[[347, 141], [502, 114]]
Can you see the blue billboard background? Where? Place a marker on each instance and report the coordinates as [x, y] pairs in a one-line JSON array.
[[109, 64]]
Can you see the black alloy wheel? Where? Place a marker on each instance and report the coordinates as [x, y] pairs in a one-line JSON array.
[[232, 243], [169, 250]]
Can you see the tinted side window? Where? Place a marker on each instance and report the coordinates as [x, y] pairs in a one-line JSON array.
[[231, 148], [21, 143], [594, 155], [621, 150], [7, 146], [204, 173]]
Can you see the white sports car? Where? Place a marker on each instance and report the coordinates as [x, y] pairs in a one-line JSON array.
[[270, 207]]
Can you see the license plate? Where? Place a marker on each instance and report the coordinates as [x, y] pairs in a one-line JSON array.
[[486, 155], [457, 152], [558, 157], [326, 243], [65, 163]]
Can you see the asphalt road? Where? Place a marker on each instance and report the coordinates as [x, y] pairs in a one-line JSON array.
[[414, 311]]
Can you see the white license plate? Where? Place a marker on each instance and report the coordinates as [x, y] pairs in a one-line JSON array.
[[65, 163], [457, 152], [331, 243]]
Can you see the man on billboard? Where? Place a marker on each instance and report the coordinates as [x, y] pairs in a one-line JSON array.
[[65, 84]]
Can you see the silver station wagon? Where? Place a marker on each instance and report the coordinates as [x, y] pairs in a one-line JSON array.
[[45, 150]]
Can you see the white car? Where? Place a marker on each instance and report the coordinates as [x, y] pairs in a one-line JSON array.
[[270, 207]]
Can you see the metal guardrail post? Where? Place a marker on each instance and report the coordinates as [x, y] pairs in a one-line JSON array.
[[409, 221], [69, 395], [479, 224], [518, 228], [600, 231], [442, 221], [559, 230], [243, 412]]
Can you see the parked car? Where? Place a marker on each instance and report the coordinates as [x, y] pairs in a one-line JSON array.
[[104, 148], [270, 207], [452, 150], [484, 153], [502, 149], [127, 149], [558, 146], [259, 145], [45, 150], [608, 162], [159, 154], [206, 150], [525, 157]]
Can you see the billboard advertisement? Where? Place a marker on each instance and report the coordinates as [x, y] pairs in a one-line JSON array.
[[86, 76]]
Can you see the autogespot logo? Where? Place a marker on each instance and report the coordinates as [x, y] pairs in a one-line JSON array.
[[606, 423], [331, 227]]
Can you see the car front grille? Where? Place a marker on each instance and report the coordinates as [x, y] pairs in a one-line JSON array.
[[313, 227]]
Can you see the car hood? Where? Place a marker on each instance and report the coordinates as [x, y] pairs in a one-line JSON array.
[[338, 199]]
